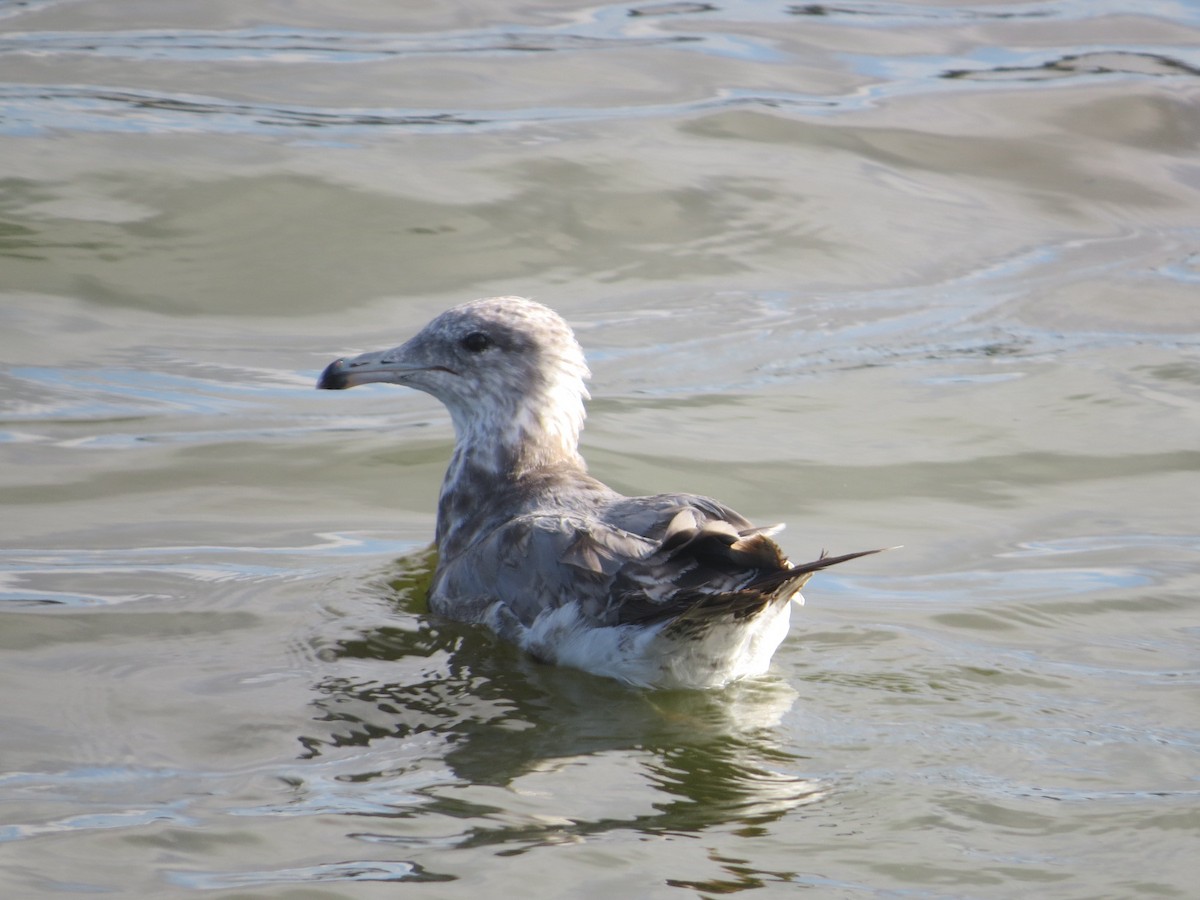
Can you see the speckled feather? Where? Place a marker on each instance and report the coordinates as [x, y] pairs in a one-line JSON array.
[[670, 590]]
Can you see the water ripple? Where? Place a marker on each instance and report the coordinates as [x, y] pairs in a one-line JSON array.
[[891, 15], [360, 870], [29, 109], [299, 45], [39, 577], [34, 109]]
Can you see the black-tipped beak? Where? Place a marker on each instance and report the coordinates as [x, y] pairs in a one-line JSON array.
[[386, 366], [334, 378]]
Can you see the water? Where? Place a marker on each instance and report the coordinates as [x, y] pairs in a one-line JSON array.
[[893, 273]]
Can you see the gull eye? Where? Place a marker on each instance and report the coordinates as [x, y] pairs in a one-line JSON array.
[[476, 342]]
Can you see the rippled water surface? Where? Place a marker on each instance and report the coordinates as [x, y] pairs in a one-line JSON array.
[[891, 272]]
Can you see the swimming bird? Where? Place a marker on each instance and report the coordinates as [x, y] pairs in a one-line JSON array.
[[664, 591]]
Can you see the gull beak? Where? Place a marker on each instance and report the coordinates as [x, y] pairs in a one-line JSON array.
[[382, 365]]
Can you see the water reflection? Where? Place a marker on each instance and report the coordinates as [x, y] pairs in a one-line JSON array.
[[496, 720]]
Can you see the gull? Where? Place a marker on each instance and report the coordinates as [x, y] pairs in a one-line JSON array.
[[664, 591]]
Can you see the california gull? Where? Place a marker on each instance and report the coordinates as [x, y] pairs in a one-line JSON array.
[[670, 591]]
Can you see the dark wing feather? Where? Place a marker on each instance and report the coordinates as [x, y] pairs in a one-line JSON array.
[[692, 608], [640, 560]]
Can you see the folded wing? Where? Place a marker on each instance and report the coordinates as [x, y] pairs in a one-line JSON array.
[[638, 561]]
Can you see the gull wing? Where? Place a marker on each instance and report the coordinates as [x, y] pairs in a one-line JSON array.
[[636, 560]]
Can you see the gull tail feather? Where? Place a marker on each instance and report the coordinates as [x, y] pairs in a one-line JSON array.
[[766, 590], [804, 571]]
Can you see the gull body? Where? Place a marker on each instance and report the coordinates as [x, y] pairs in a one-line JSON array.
[[665, 591]]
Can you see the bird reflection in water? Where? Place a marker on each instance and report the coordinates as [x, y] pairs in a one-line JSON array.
[[471, 704]]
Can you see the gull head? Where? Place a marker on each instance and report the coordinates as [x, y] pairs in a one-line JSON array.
[[509, 371]]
